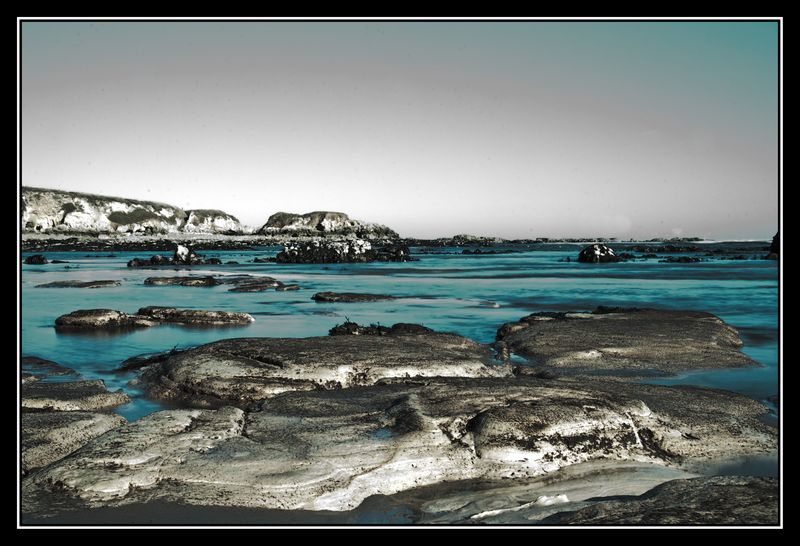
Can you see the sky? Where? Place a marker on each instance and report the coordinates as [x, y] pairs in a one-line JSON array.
[[509, 129]]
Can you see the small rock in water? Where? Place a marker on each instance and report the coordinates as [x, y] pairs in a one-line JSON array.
[[36, 259], [598, 254]]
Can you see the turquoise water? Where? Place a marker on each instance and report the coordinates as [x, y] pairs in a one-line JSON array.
[[471, 295]]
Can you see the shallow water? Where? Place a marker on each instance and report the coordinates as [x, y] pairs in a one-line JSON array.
[[471, 295]]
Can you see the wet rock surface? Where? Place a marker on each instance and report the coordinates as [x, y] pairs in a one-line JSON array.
[[87, 395], [79, 284], [329, 450], [349, 297], [181, 281], [193, 316], [244, 371], [35, 368], [632, 340], [52, 435], [401, 328], [716, 500]]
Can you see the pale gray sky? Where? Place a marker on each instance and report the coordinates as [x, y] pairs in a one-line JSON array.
[[520, 129]]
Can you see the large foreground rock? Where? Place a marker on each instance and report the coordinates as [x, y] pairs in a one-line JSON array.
[[627, 339], [88, 395], [244, 371], [50, 436], [329, 450], [716, 500], [87, 320]]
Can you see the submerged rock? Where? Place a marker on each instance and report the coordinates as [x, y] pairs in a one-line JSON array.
[[287, 287], [349, 297], [714, 500], [52, 435], [598, 254], [329, 450], [181, 281], [319, 251], [35, 368], [79, 284], [70, 396], [96, 319], [244, 371], [36, 259], [680, 260], [627, 339]]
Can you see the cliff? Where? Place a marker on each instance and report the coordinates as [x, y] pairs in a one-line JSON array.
[[322, 223], [45, 210]]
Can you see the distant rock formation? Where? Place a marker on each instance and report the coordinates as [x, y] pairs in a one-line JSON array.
[[322, 223], [774, 248], [45, 210]]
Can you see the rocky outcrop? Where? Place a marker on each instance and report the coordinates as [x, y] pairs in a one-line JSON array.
[[598, 254], [211, 221], [318, 251], [183, 255], [331, 449], [323, 223], [70, 396], [57, 211], [181, 281], [256, 284], [101, 319], [400, 329], [196, 317], [52, 435], [36, 259], [627, 340], [108, 319], [774, 248], [79, 284], [244, 371], [348, 297], [715, 500], [680, 260]]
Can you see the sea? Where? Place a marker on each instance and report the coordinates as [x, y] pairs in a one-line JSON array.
[[444, 289]]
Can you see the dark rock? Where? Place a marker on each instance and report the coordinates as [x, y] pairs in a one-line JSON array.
[[231, 262], [94, 319], [70, 396], [627, 339], [193, 316], [347, 251], [348, 297], [606, 309], [666, 249], [649, 255], [49, 436], [182, 256], [79, 284], [286, 287], [680, 260], [59, 262], [775, 247], [255, 284], [401, 328], [263, 260], [181, 281], [36, 259], [714, 500], [597, 254]]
